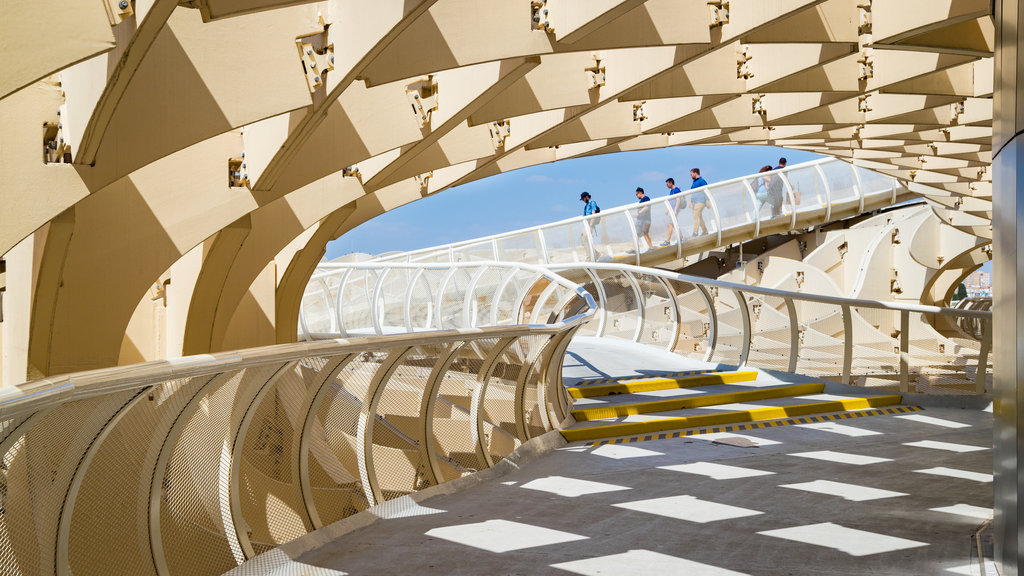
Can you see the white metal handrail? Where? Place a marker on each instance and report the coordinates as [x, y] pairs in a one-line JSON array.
[[739, 327]]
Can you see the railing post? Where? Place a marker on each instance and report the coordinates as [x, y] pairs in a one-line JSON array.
[[602, 301], [407, 310], [542, 245], [904, 351], [847, 343], [375, 315], [828, 192], [747, 328], [640, 301], [986, 347], [712, 321], [676, 324], [859, 187], [714, 208], [636, 236], [794, 335], [468, 317]]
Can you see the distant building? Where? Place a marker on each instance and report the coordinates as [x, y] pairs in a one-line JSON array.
[[979, 284]]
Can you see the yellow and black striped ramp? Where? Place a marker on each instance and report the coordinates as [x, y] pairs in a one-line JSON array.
[[762, 425], [667, 404], [723, 418], [634, 385]]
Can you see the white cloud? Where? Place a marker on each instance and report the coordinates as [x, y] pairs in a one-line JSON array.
[[538, 178]]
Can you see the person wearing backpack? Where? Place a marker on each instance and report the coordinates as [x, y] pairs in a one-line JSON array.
[[679, 204], [590, 207]]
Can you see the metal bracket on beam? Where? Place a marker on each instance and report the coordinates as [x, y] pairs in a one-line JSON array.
[[866, 64], [317, 58], [423, 98], [500, 131], [539, 16], [743, 67], [423, 180], [639, 115], [56, 148], [718, 10], [595, 74], [118, 10], [238, 174]]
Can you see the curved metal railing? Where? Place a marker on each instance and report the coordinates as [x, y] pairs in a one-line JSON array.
[[193, 465], [972, 325], [813, 193], [856, 341]]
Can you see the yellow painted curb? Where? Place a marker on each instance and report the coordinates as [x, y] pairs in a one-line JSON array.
[[767, 413], [667, 404], [651, 384]]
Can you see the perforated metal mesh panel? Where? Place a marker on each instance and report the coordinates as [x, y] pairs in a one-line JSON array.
[[770, 332], [398, 431], [821, 338], [621, 303], [484, 309], [658, 312], [694, 336], [115, 488], [39, 465], [196, 525], [729, 335], [453, 297], [454, 433], [334, 477], [270, 496], [499, 408]]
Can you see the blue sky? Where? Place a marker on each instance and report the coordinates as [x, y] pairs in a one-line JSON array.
[[549, 192]]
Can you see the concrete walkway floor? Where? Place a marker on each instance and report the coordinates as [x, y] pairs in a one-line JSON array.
[[896, 495]]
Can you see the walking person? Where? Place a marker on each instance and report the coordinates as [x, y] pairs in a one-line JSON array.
[[777, 190], [643, 218], [590, 207], [676, 206], [698, 200]]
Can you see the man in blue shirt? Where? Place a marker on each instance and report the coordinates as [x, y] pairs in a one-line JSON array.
[[590, 207], [698, 200], [643, 217], [679, 204]]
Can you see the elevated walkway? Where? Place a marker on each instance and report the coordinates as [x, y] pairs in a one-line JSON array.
[[807, 194]]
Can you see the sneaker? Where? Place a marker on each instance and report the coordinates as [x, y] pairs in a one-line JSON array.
[[665, 243], [630, 251]]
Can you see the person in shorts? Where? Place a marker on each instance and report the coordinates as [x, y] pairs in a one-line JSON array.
[[676, 205], [643, 217], [698, 200]]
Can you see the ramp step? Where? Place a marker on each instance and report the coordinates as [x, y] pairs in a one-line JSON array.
[[667, 404], [732, 417], [632, 386]]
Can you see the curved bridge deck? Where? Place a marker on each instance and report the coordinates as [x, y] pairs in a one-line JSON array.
[[886, 494]]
